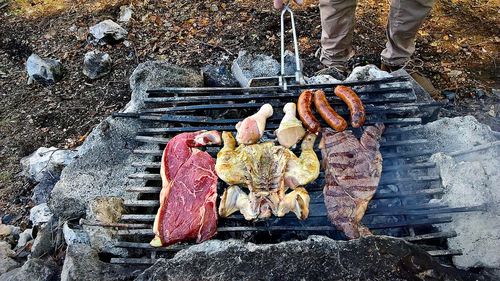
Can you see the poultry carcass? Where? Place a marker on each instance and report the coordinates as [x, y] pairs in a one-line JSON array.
[[267, 171]]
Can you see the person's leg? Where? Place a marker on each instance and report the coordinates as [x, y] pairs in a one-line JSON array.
[[405, 18], [337, 22]]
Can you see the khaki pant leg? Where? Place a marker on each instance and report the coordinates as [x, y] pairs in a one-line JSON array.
[[337, 22], [405, 18]]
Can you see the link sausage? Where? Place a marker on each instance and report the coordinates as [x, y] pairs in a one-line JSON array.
[[332, 118], [354, 103], [305, 112]]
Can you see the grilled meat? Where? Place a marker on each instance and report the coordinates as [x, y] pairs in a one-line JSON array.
[[251, 129], [352, 169], [268, 171]]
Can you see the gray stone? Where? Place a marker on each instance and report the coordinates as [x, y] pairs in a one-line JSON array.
[[108, 31], [218, 76], [46, 71], [40, 214], [453, 134], [41, 192], [103, 240], [6, 261], [82, 263], [96, 64], [45, 240], [322, 79], [290, 64], [471, 183], [24, 238], [126, 13], [317, 258], [49, 160], [105, 158], [248, 66], [33, 270], [75, 236]]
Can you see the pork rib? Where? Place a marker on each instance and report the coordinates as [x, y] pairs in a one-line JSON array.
[[189, 191], [352, 169]]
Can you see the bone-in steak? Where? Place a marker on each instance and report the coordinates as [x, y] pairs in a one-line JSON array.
[[189, 190], [352, 171]]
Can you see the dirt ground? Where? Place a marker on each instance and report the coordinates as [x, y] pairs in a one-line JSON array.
[[457, 49]]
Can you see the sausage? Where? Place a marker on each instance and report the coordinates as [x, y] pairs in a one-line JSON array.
[[305, 112], [332, 118], [354, 103]]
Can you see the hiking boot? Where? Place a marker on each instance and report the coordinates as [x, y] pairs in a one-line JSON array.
[[338, 72]]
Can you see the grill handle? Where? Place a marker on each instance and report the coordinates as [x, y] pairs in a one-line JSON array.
[[298, 71]]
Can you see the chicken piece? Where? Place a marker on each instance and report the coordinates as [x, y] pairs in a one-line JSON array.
[[251, 129], [268, 171], [290, 131], [352, 171]]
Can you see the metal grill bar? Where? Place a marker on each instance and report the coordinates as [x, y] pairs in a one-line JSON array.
[[276, 88]]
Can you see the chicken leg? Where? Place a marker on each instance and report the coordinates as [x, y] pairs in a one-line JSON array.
[[251, 129]]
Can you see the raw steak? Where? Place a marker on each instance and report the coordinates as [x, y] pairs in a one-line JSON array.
[[189, 190], [352, 171]]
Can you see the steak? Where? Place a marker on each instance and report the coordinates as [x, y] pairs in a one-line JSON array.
[[352, 172], [189, 190]]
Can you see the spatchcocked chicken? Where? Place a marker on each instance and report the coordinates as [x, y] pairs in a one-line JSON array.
[[267, 171]]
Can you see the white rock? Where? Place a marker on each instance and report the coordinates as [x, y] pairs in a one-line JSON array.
[[40, 214], [6, 262], [72, 236], [322, 79], [51, 160], [108, 30], [43, 70], [125, 14], [24, 238]]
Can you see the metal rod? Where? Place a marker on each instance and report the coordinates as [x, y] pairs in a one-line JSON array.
[[435, 235], [276, 88], [440, 253]]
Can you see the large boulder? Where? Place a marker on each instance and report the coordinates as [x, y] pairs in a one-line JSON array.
[[317, 258], [45, 71], [105, 158], [82, 263], [218, 76], [33, 270]]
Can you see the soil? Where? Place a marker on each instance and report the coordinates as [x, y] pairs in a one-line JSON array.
[[457, 48]]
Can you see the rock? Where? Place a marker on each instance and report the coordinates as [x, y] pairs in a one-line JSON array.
[[218, 76], [7, 218], [50, 160], [367, 73], [290, 64], [42, 190], [46, 71], [105, 158], [33, 270], [24, 238], [469, 183], [450, 95], [317, 258], [96, 64], [75, 236], [454, 73], [452, 134], [82, 263], [45, 240], [103, 240], [108, 31], [479, 93], [126, 13], [40, 214], [106, 209], [6, 261], [5, 230], [248, 66], [322, 79]]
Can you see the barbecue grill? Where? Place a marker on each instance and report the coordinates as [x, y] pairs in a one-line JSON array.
[[399, 208]]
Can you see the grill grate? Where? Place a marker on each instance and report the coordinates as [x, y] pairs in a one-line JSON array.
[[399, 208]]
